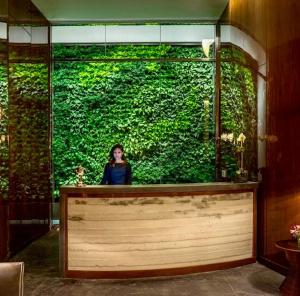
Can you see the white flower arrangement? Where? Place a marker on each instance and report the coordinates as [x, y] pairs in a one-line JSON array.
[[238, 143], [227, 137], [295, 231]]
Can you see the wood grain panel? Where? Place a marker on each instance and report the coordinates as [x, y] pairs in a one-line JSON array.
[[249, 16], [275, 24], [122, 234]]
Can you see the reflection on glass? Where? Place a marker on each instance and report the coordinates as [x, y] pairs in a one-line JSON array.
[[29, 144], [3, 132], [238, 110]]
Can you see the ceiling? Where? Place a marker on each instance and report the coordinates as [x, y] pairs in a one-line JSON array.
[[79, 11]]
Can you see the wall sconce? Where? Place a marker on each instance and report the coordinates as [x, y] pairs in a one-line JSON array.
[[268, 138], [206, 43]]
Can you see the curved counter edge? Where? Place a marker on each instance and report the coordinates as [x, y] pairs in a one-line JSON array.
[[127, 274], [211, 225], [186, 187]]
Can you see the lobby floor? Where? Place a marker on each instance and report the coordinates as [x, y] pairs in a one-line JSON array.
[[42, 279]]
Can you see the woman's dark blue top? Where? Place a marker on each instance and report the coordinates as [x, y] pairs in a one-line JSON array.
[[117, 174]]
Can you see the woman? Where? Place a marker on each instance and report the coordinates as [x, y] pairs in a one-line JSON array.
[[117, 171]]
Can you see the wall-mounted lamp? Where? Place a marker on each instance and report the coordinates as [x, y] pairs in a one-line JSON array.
[[268, 138], [206, 43]]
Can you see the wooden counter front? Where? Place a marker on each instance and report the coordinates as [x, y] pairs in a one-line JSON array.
[[155, 230]]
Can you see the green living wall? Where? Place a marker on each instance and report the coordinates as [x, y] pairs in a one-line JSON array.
[[3, 132], [161, 111], [29, 130], [27, 160], [238, 108]]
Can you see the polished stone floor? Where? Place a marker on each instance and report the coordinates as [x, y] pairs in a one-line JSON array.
[[42, 279]]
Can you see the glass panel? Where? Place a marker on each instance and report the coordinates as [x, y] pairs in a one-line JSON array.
[[238, 110], [29, 125], [28, 43], [29, 101], [3, 30], [3, 131]]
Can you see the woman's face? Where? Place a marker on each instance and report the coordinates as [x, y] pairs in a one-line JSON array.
[[118, 154]]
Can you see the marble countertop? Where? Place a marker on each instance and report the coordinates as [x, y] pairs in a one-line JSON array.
[[186, 187]]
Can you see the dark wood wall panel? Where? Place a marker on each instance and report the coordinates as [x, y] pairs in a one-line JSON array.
[[24, 12], [3, 230], [275, 24], [3, 10], [250, 16], [283, 187]]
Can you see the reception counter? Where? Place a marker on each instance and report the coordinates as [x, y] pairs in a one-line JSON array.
[[156, 230]]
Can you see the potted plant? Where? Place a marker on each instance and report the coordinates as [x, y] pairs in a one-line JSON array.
[[295, 232]]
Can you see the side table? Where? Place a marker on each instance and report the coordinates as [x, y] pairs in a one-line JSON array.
[[291, 285]]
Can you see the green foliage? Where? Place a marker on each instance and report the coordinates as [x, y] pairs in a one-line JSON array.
[[3, 132], [155, 109], [90, 52], [29, 131], [238, 107]]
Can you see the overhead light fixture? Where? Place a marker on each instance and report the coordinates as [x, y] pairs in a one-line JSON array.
[[206, 43]]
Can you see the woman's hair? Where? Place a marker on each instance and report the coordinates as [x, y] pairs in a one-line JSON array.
[[111, 153]]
